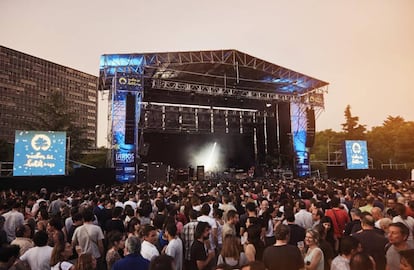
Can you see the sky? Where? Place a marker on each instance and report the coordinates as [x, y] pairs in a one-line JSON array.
[[364, 49]]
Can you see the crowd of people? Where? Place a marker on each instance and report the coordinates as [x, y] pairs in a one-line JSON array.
[[265, 223]]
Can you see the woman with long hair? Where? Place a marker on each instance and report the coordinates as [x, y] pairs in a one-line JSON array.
[[133, 227], [314, 259], [60, 255], [254, 246], [231, 252], [116, 241], [86, 262]]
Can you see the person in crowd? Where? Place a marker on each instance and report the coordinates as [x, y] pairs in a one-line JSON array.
[[39, 256], [3, 234], [61, 253], [23, 238], [317, 215], [408, 221], [303, 218], [148, 248], [368, 206], [250, 212], [355, 224], [116, 243], [162, 262], [282, 255], [90, 237], [347, 248], [254, 246], [115, 223], [377, 214], [201, 253], [325, 246], [134, 227], [314, 259], [232, 254], [361, 261], [226, 205], [187, 236], [330, 238], [133, 259], [13, 219], [42, 218], [297, 233], [229, 227], [86, 262], [175, 245], [398, 235], [205, 210], [8, 256], [372, 241], [339, 219], [218, 217], [407, 259]]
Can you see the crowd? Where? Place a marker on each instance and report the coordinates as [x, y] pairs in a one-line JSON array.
[[266, 223]]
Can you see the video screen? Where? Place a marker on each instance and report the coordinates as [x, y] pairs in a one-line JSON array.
[[356, 153], [39, 153]]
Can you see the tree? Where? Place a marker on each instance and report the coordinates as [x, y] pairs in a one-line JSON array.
[[56, 115], [352, 129]]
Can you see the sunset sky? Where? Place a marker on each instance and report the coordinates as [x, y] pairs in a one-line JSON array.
[[364, 49]]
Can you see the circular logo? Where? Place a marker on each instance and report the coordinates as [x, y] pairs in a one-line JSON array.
[[41, 142], [122, 80], [356, 148]]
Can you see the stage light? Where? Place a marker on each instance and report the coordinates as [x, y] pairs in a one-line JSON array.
[[209, 157], [268, 105]]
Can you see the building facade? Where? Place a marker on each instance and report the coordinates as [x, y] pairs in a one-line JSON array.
[[26, 82]]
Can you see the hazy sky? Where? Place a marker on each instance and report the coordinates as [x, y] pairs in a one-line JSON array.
[[364, 49]]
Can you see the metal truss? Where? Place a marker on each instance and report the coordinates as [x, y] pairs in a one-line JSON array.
[[222, 91], [111, 64]]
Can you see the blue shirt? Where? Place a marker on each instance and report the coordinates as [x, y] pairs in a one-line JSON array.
[[131, 262]]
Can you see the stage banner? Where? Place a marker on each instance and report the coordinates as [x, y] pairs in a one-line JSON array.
[[356, 153], [39, 153], [125, 154]]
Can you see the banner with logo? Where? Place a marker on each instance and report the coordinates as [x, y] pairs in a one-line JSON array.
[[124, 155], [356, 155], [39, 153]]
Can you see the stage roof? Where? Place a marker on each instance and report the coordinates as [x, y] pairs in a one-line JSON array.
[[221, 68]]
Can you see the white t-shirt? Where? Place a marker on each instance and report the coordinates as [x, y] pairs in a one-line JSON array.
[[175, 250], [148, 250], [63, 266], [38, 257], [213, 225]]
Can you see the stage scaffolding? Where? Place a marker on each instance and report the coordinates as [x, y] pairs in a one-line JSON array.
[[192, 91]]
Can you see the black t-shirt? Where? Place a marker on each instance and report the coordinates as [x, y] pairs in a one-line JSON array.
[[283, 257], [197, 253], [114, 225]]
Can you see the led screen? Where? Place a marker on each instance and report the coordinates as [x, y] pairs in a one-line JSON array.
[[39, 153], [356, 155]]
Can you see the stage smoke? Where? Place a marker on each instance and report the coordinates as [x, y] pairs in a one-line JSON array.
[[209, 157]]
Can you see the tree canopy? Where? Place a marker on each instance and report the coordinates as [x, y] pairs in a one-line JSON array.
[[56, 115]]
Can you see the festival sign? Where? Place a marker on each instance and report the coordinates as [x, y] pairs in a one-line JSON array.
[[39, 153], [356, 155]]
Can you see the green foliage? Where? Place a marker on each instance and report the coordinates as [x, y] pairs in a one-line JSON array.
[[56, 115], [390, 143], [97, 159], [351, 128]]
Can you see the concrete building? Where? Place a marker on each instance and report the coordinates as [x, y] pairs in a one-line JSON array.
[[26, 83]]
